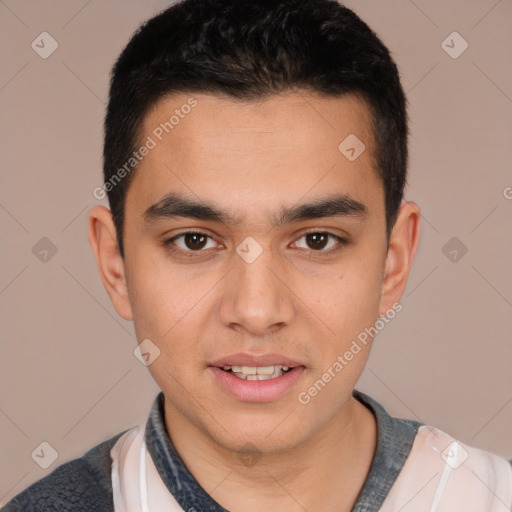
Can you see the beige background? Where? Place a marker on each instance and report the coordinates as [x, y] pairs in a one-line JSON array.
[[67, 370]]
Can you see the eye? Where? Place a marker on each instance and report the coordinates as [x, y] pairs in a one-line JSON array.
[[191, 241], [319, 241]]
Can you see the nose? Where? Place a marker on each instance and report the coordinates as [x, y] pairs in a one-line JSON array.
[[257, 300]]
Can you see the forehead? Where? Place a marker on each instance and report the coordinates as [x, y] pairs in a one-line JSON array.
[[250, 153]]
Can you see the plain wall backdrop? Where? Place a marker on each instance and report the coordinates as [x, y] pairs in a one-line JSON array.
[[68, 373]]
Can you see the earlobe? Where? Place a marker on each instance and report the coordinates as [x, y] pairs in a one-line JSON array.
[[402, 247], [103, 240]]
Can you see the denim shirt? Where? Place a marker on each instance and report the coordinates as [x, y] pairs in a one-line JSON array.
[[84, 484]]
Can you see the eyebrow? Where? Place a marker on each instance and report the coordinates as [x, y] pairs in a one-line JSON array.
[[176, 205]]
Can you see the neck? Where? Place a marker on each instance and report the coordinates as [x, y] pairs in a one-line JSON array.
[[336, 457]]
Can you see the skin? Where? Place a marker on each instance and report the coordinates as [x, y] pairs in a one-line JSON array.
[[297, 299]]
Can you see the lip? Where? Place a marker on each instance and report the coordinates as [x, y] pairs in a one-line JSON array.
[[256, 390], [244, 359]]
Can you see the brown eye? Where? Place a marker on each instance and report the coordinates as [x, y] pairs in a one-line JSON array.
[[319, 241], [194, 241], [191, 241]]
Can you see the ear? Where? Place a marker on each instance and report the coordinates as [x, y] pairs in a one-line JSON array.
[[403, 243], [103, 240]]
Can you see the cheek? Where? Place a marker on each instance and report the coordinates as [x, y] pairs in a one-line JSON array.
[[158, 296], [348, 306], [347, 301], [159, 293], [169, 306], [165, 311]]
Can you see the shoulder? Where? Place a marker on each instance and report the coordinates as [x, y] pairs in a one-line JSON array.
[[82, 484], [453, 474]]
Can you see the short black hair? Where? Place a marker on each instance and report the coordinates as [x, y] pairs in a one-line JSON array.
[[250, 50]]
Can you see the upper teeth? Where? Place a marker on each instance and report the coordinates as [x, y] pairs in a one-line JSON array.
[[257, 372]]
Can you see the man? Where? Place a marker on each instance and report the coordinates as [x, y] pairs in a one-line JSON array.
[[255, 159]]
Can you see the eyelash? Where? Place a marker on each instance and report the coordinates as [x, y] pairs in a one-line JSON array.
[[169, 243]]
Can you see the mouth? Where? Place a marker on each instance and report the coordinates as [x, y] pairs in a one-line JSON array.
[[256, 378], [257, 372]]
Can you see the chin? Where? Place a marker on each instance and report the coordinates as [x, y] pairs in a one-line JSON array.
[[266, 436]]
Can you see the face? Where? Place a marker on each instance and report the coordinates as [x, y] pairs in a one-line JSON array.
[[253, 243]]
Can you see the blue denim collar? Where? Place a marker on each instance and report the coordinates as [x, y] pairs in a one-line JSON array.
[[394, 441], [395, 437]]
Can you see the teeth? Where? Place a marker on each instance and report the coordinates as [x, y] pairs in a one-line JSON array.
[[265, 370], [261, 377], [257, 372]]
